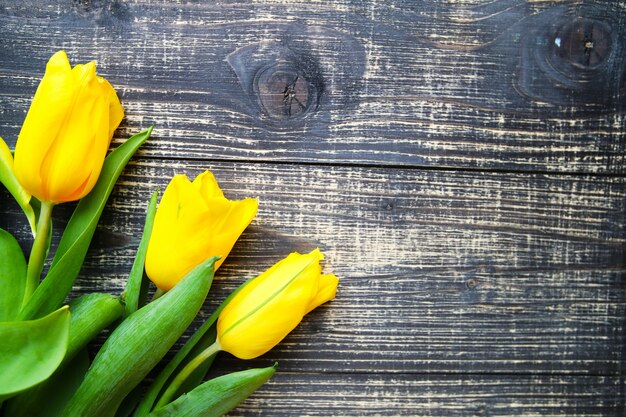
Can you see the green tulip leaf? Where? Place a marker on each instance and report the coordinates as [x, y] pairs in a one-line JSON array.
[[137, 277], [202, 338], [138, 344], [91, 313], [12, 276], [49, 398], [31, 350], [7, 177], [217, 396], [129, 403], [76, 238]]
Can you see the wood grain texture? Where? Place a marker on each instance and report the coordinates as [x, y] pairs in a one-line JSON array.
[[475, 272], [427, 395], [461, 163], [454, 84], [524, 272]]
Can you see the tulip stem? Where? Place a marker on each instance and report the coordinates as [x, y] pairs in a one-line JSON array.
[[39, 251], [157, 294], [193, 364]]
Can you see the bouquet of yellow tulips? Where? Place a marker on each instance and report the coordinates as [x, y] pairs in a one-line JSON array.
[[61, 156]]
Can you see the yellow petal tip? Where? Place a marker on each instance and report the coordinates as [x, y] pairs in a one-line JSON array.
[[58, 61]]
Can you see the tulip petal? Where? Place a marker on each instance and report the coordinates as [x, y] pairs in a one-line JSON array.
[[67, 131], [189, 227], [264, 287], [116, 111], [327, 289], [270, 306], [232, 219], [207, 185], [53, 98], [250, 341], [261, 289], [73, 164], [68, 167], [231, 215], [58, 63], [181, 226]]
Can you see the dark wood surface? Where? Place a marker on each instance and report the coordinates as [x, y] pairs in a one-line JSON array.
[[461, 163]]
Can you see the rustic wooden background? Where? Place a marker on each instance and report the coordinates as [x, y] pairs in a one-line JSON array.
[[460, 162]]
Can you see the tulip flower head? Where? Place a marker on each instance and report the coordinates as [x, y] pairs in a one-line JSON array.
[[270, 306], [67, 131], [264, 311], [194, 221]]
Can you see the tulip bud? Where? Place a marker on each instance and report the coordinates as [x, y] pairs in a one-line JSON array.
[[193, 222], [263, 312], [65, 136], [259, 315]]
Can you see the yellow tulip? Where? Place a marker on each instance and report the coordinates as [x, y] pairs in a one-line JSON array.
[[272, 304], [65, 136], [264, 311], [194, 221]]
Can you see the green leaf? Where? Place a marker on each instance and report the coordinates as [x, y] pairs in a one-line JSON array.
[[12, 276], [138, 344], [136, 276], [203, 337], [91, 313], [49, 398], [76, 238], [129, 403], [31, 350], [217, 396], [7, 177]]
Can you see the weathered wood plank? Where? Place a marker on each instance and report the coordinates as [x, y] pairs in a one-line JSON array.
[[462, 293], [491, 85], [440, 271], [428, 395]]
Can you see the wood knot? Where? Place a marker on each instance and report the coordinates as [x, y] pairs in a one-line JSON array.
[[284, 85], [284, 92], [574, 60], [104, 12], [388, 204], [471, 283], [298, 76], [583, 43]]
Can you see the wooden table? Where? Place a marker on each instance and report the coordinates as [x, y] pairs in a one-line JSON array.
[[461, 164]]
